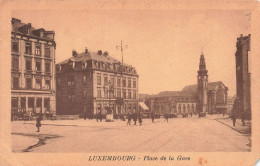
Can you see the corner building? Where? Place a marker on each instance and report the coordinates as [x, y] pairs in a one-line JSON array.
[[32, 69], [82, 84], [243, 75]]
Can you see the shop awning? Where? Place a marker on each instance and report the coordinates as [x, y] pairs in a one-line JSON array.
[[143, 106]]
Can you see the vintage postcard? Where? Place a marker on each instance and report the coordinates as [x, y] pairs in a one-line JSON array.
[[129, 83]]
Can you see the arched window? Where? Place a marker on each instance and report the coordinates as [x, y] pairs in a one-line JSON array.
[[220, 97], [184, 108], [179, 108], [192, 108], [188, 108]]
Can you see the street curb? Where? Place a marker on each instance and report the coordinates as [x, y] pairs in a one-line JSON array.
[[232, 127], [53, 124]]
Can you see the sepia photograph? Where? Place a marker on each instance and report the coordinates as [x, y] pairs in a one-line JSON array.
[[123, 81], [88, 75]]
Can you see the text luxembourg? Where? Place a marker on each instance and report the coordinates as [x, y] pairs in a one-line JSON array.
[[111, 158]]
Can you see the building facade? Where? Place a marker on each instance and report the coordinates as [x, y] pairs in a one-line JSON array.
[[90, 82], [201, 97], [243, 75], [32, 69]]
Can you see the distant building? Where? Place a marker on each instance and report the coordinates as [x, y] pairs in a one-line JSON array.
[[33, 68], [201, 97], [230, 104], [243, 75], [90, 82]]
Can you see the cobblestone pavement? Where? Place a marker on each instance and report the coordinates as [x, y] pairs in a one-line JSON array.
[[179, 135]]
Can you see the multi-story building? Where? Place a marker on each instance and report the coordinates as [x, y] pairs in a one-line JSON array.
[[33, 68], [201, 97], [90, 82], [243, 75]]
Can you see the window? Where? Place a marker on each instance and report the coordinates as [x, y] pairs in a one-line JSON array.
[[134, 94], [105, 93], [38, 66], [71, 80], [28, 65], [28, 48], [105, 79], [220, 97], [58, 81], [15, 63], [47, 103], [15, 82], [84, 78], [39, 102], [38, 84], [37, 50], [47, 84], [134, 83], [98, 79], [84, 93], [99, 92], [111, 94], [118, 93], [124, 94], [118, 82], [14, 102], [28, 83], [47, 51], [112, 80], [124, 82], [129, 82], [47, 67], [129, 94], [30, 102], [15, 46]]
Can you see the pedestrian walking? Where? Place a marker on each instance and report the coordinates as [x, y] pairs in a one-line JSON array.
[[140, 118], [38, 122], [243, 118], [129, 118], [152, 116], [166, 117], [100, 116], [233, 116], [85, 116], [135, 117]]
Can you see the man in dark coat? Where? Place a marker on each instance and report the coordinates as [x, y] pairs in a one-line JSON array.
[[166, 117], [129, 119], [38, 122], [135, 117], [140, 116], [152, 116]]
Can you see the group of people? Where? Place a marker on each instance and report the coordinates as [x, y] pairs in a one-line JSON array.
[[235, 111], [135, 116]]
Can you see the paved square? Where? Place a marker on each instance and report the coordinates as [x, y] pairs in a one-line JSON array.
[[180, 134]]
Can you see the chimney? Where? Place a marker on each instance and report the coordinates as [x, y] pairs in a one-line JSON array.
[[86, 50], [241, 35], [74, 53], [105, 54], [100, 52]]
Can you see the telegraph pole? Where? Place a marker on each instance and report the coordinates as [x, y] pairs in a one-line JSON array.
[[122, 47]]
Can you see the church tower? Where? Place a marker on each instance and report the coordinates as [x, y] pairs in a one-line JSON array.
[[202, 85]]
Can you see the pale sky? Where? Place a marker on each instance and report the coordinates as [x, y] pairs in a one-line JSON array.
[[163, 45]]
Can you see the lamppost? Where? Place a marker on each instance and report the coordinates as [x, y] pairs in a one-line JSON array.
[[109, 88]]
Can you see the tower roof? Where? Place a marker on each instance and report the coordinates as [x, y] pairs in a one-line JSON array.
[[202, 65]]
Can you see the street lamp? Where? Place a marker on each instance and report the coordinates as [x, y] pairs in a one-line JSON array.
[[109, 88]]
